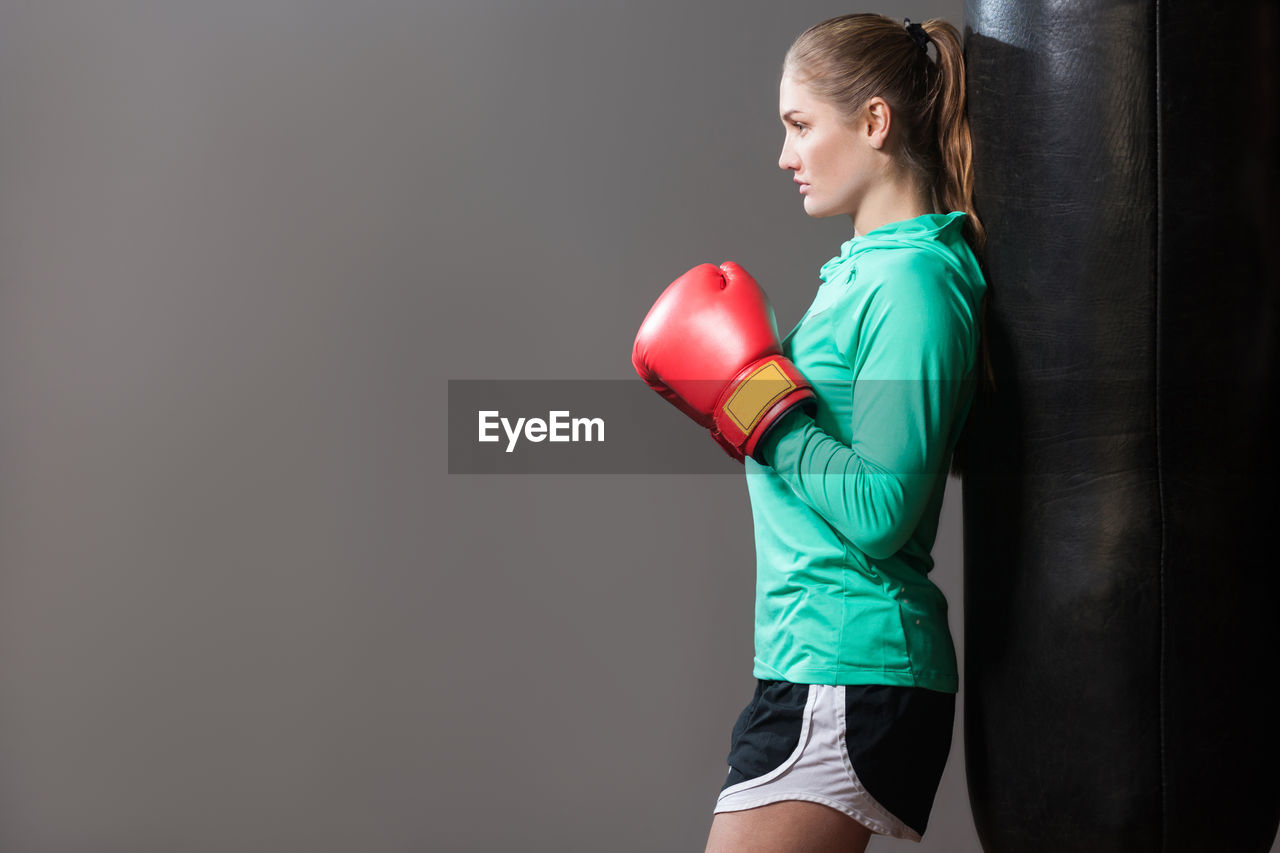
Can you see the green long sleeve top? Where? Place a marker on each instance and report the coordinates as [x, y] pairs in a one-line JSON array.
[[846, 509]]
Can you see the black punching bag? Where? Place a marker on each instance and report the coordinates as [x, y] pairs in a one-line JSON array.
[[1122, 540]]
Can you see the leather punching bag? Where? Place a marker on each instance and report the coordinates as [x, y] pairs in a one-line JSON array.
[[1122, 577]]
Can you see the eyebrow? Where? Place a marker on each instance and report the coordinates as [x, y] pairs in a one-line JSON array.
[[789, 113]]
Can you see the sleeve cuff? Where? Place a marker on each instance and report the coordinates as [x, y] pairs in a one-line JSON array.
[[793, 420]]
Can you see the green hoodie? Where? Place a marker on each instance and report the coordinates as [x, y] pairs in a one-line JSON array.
[[846, 511]]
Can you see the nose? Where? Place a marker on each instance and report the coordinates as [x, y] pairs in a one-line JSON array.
[[787, 160]]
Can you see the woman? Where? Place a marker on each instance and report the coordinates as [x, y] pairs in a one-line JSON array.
[[846, 428], [850, 726]]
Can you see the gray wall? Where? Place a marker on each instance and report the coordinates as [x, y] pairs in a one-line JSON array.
[[243, 246]]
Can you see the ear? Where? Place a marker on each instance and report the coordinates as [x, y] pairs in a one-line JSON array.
[[877, 118]]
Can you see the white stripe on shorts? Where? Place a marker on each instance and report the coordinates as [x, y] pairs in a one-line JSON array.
[[818, 771]]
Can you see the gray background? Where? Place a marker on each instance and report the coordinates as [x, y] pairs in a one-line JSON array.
[[243, 247]]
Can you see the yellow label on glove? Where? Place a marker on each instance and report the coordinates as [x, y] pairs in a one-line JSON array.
[[763, 387]]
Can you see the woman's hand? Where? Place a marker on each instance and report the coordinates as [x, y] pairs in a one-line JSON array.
[[709, 345]]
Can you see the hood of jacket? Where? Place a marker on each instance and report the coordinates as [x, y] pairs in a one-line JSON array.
[[941, 233]]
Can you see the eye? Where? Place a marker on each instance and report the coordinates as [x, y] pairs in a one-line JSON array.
[[798, 126]]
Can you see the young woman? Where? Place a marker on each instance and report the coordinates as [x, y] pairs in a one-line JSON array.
[[846, 428], [850, 726]]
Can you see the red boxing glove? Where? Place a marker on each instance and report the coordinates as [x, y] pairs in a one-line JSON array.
[[709, 345]]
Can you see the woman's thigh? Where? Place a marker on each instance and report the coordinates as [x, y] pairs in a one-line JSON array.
[[791, 826]]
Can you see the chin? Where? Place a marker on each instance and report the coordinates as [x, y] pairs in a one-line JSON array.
[[817, 211]]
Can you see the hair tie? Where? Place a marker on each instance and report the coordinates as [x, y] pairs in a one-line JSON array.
[[917, 32]]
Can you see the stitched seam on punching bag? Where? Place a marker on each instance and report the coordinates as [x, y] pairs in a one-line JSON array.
[[1159, 282]]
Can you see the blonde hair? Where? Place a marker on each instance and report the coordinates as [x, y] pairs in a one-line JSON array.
[[848, 60]]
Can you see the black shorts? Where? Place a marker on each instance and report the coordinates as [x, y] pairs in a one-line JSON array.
[[874, 751]]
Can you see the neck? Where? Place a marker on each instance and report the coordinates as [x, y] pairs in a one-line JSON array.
[[891, 200]]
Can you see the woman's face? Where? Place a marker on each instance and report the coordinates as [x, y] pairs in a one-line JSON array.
[[833, 162]]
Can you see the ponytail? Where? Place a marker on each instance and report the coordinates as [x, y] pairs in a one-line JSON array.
[[953, 179]]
